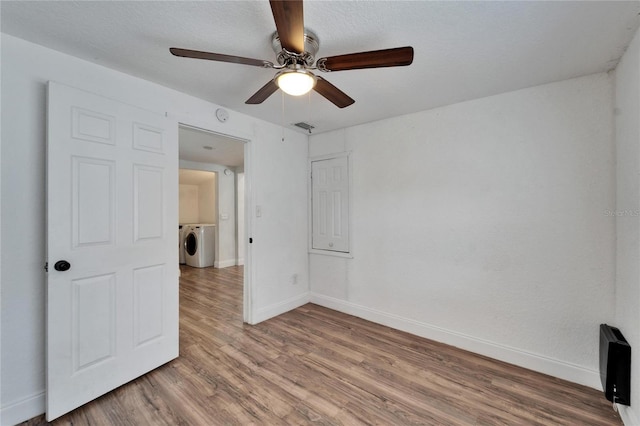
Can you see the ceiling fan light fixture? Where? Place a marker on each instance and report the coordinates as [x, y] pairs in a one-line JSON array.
[[296, 82]]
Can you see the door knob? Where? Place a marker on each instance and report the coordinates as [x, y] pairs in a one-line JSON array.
[[62, 265]]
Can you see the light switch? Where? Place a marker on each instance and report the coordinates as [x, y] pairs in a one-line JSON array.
[[258, 211]]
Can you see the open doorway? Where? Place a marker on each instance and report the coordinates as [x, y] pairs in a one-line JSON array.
[[212, 201]]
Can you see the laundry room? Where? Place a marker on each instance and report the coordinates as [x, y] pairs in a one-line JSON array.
[[197, 217], [211, 195]]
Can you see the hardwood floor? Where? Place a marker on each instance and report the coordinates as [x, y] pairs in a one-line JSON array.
[[317, 366]]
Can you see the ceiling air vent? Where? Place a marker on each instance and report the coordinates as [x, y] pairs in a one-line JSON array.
[[305, 126]]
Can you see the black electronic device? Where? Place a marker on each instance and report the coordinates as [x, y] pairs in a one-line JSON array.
[[615, 365]]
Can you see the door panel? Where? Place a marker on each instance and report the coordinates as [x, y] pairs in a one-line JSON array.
[[148, 193], [93, 327], [148, 303], [330, 204], [147, 138], [93, 199], [92, 126], [112, 192]]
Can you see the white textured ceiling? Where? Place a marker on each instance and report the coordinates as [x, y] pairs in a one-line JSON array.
[[463, 50], [223, 150]]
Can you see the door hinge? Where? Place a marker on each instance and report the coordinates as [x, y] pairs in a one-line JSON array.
[[46, 266]]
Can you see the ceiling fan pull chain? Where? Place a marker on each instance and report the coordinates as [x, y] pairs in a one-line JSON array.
[[309, 109], [282, 121]]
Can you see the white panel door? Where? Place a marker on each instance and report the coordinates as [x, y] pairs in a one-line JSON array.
[[112, 199], [330, 204]]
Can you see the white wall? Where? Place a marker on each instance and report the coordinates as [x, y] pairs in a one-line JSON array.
[[627, 119], [198, 201], [280, 234], [278, 195], [482, 225], [188, 199], [207, 201]]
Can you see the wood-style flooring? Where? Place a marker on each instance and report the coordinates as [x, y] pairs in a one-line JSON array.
[[317, 366]]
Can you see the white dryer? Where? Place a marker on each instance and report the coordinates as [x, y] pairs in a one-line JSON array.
[[183, 230], [199, 245]]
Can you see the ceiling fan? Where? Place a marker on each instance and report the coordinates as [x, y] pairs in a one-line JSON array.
[[295, 49]]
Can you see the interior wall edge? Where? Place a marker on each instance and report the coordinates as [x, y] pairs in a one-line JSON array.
[[546, 365], [275, 309]]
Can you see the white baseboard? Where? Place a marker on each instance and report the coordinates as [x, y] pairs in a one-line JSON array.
[[239, 262], [553, 367], [224, 263], [22, 410], [628, 416], [279, 308]]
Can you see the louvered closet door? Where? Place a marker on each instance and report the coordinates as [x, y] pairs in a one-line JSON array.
[[112, 202]]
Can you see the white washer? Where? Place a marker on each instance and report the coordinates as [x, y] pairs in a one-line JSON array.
[[199, 245]]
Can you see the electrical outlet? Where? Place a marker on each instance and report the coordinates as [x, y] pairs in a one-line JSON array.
[[294, 279]]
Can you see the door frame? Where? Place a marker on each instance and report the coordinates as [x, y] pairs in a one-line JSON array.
[[247, 291]]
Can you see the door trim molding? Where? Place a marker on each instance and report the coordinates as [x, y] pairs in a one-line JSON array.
[[310, 160], [246, 138]]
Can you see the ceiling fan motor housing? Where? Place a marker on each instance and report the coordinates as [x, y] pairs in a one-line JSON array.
[[311, 45]]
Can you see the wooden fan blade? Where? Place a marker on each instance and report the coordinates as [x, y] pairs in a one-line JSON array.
[[397, 57], [262, 94], [332, 93], [196, 54], [289, 18]]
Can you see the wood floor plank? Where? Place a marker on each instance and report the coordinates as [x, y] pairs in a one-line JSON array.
[[317, 366]]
